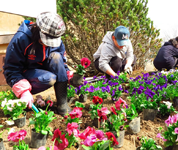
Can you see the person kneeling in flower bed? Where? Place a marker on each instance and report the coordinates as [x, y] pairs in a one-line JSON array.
[[36, 60]]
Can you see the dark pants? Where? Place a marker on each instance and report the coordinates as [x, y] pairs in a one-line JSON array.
[[116, 63], [171, 64], [42, 79]]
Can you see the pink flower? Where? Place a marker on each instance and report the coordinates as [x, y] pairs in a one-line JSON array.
[[159, 136], [168, 121], [103, 113], [113, 110], [13, 137], [75, 113], [120, 103], [16, 136], [9, 108], [89, 130], [176, 130], [94, 137], [73, 128], [51, 148]]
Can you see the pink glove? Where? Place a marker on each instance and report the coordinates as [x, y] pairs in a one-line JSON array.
[[27, 97], [70, 75], [22, 90]]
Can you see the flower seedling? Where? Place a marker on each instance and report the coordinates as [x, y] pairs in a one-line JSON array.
[[14, 108], [80, 69], [42, 119], [148, 144]]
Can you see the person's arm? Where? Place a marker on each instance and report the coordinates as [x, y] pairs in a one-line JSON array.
[[14, 67], [111, 72]]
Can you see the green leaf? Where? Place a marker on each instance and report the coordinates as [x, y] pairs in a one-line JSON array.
[[44, 132], [104, 146]]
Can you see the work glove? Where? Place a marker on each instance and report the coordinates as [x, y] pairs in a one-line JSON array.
[[28, 98], [128, 69], [22, 90]]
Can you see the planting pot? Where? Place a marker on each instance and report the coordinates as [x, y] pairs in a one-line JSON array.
[[138, 148], [175, 102], [77, 79], [37, 139], [83, 98], [174, 147], [149, 114], [96, 123], [20, 122], [134, 126], [2, 144], [120, 139], [70, 100]]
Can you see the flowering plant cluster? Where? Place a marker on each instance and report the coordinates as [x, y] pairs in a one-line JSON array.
[[80, 69], [165, 108], [7, 94], [18, 137], [117, 118], [170, 134], [62, 141], [96, 139], [73, 116], [149, 143], [42, 119], [14, 108], [97, 105]]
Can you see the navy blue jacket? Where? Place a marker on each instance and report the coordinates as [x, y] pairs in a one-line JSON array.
[[20, 56], [165, 57]]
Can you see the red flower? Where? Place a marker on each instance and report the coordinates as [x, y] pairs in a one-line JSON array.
[[50, 102], [75, 113], [65, 117], [89, 130], [85, 62], [97, 100], [61, 142], [46, 112], [113, 110], [112, 138]]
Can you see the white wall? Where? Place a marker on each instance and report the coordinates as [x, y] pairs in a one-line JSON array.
[[30, 8]]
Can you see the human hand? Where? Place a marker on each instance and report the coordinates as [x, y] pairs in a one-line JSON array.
[[128, 69], [27, 97]]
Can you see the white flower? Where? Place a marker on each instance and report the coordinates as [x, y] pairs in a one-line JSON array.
[[4, 102], [169, 104], [9, 108], [11, 130], [9, 122]]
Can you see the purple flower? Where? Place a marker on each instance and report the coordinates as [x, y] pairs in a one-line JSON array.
[[85, 82], [126, 91], [94, 77], [149, 93], [120, 88], [108, 88], [91, 89], [140, 89]]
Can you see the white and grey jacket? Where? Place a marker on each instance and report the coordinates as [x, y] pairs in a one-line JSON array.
[[108, 50]]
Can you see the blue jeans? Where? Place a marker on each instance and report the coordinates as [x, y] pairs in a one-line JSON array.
[[53, 70]]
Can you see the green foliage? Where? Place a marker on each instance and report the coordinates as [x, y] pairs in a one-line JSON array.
[[70, 91], [164, 110], [41, 121], [93, 110], [149, 144], [7, 94], [14, 108]]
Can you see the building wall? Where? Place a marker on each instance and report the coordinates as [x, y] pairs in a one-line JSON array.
[[9, 24]]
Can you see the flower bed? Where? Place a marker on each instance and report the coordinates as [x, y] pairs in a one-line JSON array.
[[154, 94]]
